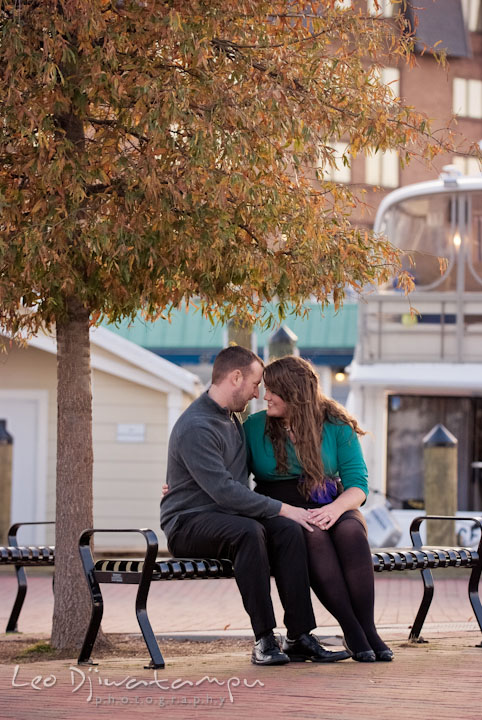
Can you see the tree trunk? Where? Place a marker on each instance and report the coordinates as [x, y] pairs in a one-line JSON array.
[[74, 498]]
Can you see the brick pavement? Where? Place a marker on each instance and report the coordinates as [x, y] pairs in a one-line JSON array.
[[441, 679], [215, 605]]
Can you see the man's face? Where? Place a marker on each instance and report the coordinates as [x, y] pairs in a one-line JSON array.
[[247, 386]]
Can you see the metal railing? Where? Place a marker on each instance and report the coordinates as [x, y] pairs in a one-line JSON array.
[[447, 328]]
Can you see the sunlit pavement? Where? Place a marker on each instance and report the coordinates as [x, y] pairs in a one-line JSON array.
[[215, 607], [439, 679]]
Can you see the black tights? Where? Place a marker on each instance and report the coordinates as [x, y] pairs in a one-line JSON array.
[[341, 575]]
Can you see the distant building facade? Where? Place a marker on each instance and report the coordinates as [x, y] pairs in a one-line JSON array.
[[456, 27], [414, 370]]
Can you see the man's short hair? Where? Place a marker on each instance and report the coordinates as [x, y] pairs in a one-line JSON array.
[[234, 357]]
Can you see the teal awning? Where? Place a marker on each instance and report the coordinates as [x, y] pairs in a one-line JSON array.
[[189, 333]]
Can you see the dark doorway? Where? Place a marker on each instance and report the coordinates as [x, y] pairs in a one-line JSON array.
[[410, 418]]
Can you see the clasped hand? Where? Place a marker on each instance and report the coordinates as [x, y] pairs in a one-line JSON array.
[[324, 517]]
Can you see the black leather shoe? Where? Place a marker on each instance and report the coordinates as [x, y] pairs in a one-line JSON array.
[[266, 651], [307, 648], [384, 655]]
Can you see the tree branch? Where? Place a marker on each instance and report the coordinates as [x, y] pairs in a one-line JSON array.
[[116, 125]]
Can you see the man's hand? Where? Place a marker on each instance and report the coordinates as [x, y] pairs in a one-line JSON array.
[[165, 489], [298, 514]]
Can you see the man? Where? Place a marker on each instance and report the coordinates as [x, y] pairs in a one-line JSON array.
[[210, 511]]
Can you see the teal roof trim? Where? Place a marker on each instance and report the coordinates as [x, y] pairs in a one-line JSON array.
[[185, 329], [320, 329]]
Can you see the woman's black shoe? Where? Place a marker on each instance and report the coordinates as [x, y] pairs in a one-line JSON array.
[[362, 655], [384, 655]]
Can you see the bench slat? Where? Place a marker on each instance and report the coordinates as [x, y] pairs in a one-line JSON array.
[[30, 555], [384, 560]]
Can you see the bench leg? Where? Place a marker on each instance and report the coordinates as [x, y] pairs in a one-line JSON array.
[[12, 625], [424, 607], [157, 661], [474, 595], [94, 624]]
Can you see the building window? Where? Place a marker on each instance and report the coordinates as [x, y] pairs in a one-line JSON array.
[[467, 165], [389, 76], [341, 172], [382, 168], [467, 98], [385, 8], [471, 11]]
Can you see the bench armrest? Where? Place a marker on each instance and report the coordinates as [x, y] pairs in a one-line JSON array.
[[149, 557], [13, 530], [416, 522]]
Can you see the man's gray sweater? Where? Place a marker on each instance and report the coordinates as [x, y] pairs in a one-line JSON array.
[[206, 467]]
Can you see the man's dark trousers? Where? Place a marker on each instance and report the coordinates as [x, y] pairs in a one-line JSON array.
[[257, 549]]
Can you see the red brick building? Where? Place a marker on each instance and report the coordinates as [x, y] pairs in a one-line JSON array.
[[439, 92]]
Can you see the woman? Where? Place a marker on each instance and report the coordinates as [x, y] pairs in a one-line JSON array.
[[299, 450]]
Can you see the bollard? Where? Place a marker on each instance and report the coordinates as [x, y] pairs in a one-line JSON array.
[[283, 342], [440, 483], [6, 447], [244, 335], [239, 334]]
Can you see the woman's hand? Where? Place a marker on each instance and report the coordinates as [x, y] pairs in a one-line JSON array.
[[165, 489], [325, 517]]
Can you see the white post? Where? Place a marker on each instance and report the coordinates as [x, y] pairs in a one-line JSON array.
[[324, 373], [174, 408]]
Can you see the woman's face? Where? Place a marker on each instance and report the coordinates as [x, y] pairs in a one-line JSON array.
[[276, 406]]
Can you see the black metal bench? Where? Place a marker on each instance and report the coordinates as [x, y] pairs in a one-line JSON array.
[[151, 568], [22, 556]]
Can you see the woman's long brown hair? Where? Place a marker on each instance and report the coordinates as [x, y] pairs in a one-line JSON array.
[[294, 380]]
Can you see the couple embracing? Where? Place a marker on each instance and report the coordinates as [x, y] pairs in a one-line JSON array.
[[301, 524]]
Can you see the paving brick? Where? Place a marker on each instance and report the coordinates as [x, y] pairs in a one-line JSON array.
[[440, 680]]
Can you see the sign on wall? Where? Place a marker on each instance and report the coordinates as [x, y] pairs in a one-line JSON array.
[[131, 433]]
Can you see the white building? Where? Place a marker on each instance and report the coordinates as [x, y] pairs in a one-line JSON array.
[[137, 397], [412, 371]]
